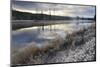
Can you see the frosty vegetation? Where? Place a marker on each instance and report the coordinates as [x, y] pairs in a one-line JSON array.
[[77, 46]]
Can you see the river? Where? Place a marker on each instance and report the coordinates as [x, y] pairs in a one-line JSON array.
[[39, 34]]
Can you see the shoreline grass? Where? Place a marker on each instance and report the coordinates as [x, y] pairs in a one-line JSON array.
[[32, 54]]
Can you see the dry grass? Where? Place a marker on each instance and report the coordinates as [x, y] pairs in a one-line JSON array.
[[23, 55], [32, 54], [79, 37]]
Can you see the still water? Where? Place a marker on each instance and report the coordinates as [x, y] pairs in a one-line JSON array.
[[25, 36]]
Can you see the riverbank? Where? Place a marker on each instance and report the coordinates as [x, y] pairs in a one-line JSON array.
[[78, 46]]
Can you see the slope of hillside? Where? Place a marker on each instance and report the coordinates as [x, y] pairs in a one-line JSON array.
[[17, 15]]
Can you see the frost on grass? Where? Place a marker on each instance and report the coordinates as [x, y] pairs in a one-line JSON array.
[[86, 52], [78, 46], [83, 52]]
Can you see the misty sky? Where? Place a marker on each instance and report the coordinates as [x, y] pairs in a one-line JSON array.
[[54, 9]]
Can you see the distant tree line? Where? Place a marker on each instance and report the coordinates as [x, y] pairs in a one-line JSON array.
[[17, 15]]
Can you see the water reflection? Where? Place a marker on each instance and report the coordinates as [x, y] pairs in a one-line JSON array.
[[24, 36]]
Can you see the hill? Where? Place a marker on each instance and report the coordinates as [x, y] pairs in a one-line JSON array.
[[17, 15]]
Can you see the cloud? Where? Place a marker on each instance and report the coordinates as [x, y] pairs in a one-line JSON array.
[[56, 9]]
